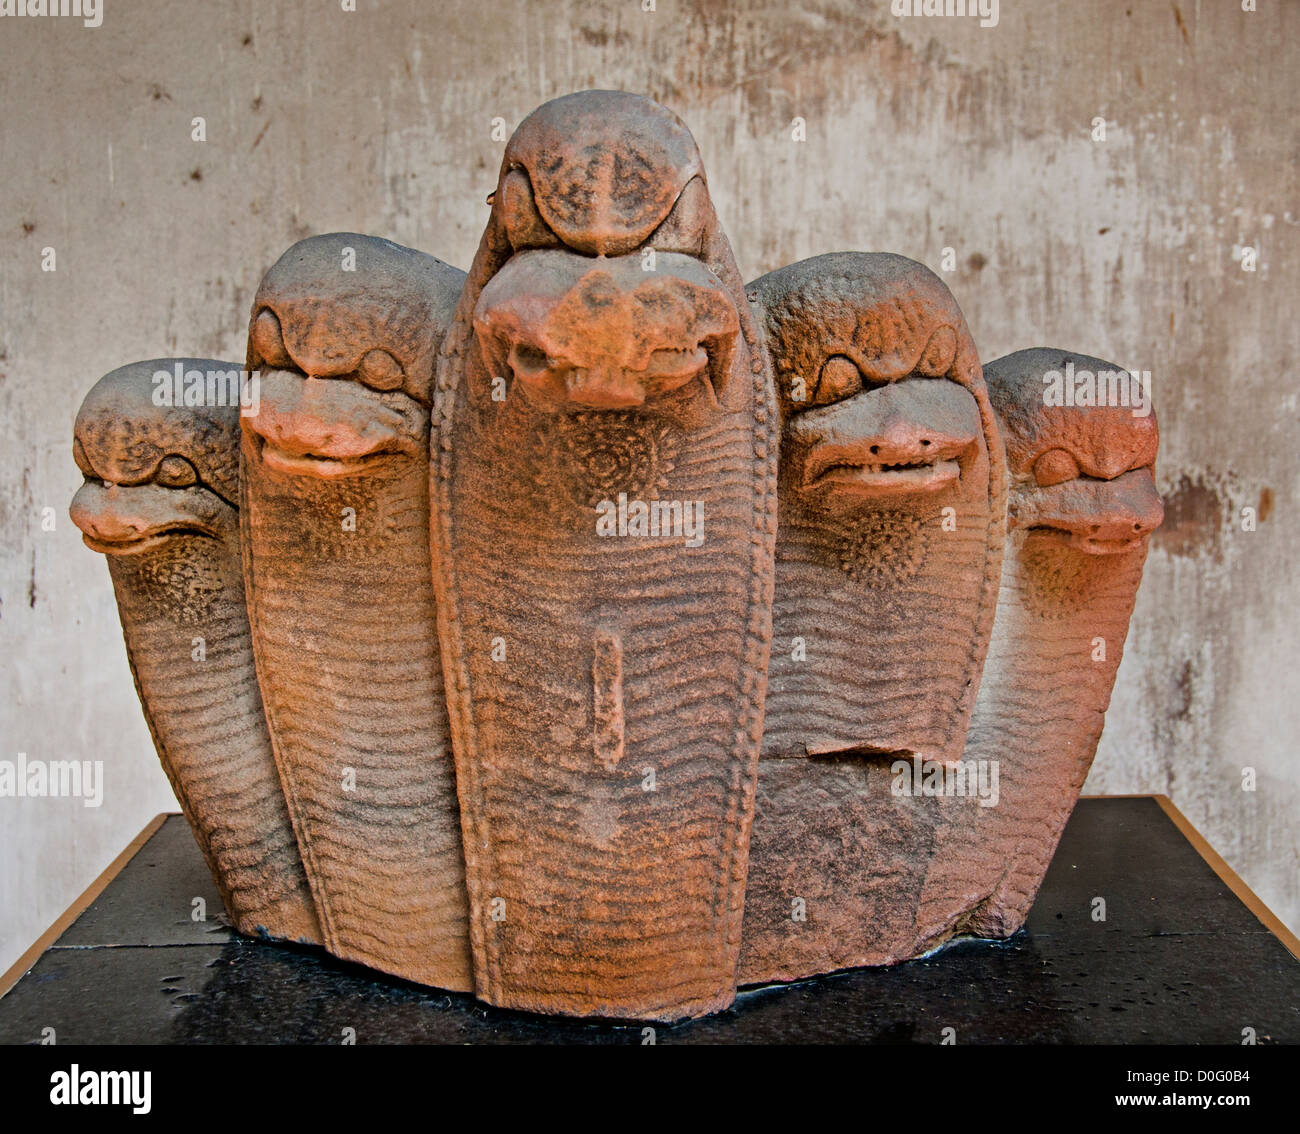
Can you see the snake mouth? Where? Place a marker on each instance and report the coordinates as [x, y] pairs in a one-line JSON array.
[[147, 541], [608, 334], [132, 519], [1089, 515], [853, 478], [332, 428], [323, 465], [1083, 541], [913, 437], [553, 383]]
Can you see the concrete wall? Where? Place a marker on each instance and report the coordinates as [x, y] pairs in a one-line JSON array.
[[921, 134]]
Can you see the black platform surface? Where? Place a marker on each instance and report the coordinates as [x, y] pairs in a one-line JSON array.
[[1178, 959]]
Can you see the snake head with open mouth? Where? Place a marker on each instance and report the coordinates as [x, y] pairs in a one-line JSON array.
[[1082, 477], [344, 332], [892, 504], [607, 335], [874, 370], [604, 282], [153, 471]]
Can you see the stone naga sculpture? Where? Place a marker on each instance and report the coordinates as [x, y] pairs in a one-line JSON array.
[[344, 332], [603, 525], [160, 501], [555, 481], [892, 504], [1083, 505]]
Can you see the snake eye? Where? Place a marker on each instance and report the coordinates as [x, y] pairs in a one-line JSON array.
[[268, 341], [839, 379], [524, 225], [683, 228], [79, 455], [1056, 466], [380, 370], [939, 354], [175, 472]]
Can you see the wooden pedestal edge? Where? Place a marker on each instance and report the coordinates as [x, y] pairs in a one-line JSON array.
[[91, 892]]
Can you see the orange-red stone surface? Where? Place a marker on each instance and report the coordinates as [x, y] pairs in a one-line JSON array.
[[160, 501], [707, 718], [335, 535], [604, 515], [889, 545], [1083, 504]]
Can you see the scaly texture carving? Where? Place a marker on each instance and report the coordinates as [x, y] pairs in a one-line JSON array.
[[561, 490], [159, 502], [600, 883], [892, 510], [335, 482], [1083, 504]]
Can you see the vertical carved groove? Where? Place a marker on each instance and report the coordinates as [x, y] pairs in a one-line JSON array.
[[607, 710]]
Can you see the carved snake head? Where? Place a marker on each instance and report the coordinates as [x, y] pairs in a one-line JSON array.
[[605, 334], [155, 472], [344, 333], [875, 372], [1082, 476], [604, 294]]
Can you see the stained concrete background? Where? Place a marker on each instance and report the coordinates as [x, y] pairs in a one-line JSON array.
[[922, 134]]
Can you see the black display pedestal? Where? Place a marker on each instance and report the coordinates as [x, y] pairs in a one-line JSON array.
[[1180, 958]]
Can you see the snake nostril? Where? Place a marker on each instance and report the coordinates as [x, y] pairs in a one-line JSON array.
[[1137, 527], [875, 449], [924, 443]]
